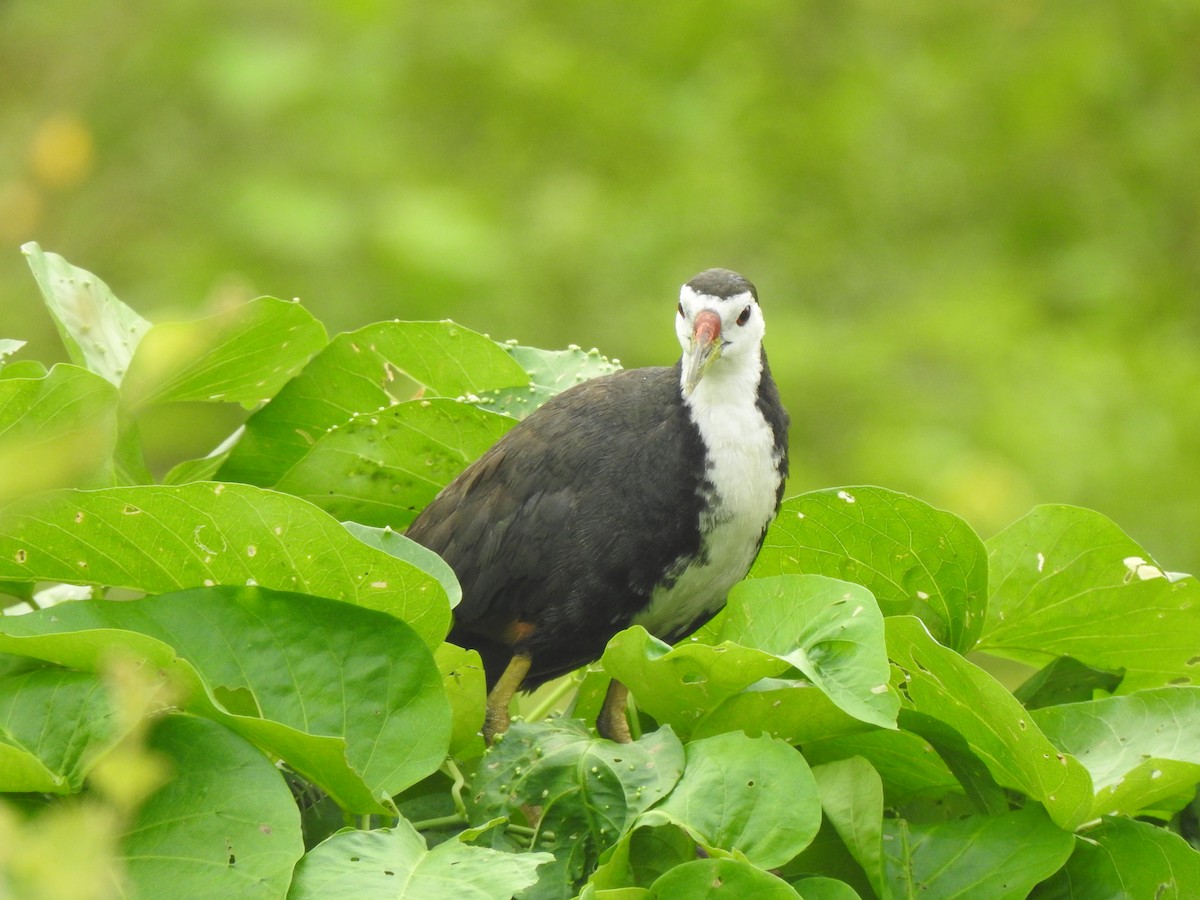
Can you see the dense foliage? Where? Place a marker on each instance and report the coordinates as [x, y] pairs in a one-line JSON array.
[[973, 227], [203, 680]]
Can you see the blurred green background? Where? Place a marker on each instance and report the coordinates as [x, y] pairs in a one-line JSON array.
[[975, 228]]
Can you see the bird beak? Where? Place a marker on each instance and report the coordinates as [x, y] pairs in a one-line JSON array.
[[705, 349]]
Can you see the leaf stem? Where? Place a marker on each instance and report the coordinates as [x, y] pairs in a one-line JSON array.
[[450, 767], [551, 700], [440, 822]]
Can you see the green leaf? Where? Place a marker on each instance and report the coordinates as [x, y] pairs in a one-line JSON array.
[[820, 888], [350, 697], [244, 354], [589, 790], [718, 879], [1124, 858], [830, 630], [466, 689], [382, 468], [998, 857], [753, 796], [641, 857], [1068, 582], [852, 800], [550, 372], [56, 430], [1139, 749], [960, 708], [395, 863], [225, 825], [162, 538], [908, 764], [360, 373], [54, 726], [25, 368], [396, 545], [1065, 680], [99, 331], [702, 690], [915, 559]]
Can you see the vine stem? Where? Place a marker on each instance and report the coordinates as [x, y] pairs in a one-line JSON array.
[[543, 709]]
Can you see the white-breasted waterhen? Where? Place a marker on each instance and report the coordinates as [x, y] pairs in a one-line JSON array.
[[639, 497]]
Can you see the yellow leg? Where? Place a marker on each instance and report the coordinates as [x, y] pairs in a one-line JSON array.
[[501, 695], [612, 723]]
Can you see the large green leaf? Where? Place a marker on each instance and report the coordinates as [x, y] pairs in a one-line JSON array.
[[243, 355], [550, 372], [716, 879], [100, 332], [350, 697], [997, 857], [830, 630], [907, 763], [1068, 582], [1122, 858], [702, 690], [969, 716], [362, 372], [160, 538], [852, 800], [225, 825], [1139, 748], [54, 726], [588, 791], [915, 559], [56, 430], [1065, 680], [752, 796], [382, 468], [395, 863]]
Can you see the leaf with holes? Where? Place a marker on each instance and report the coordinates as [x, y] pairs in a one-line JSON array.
[[1126, 858], [243, 354], [702, 690], [384, 467], [715, 879], [159, 538], [224, 825], [753, 796], [349, 697], [1068, 582], [361, 373], [100, 332], [550, 372], [999, 857], [969, 716], [915, 560], [395, 862], [830, 630], [1139, 749], [586, 791]]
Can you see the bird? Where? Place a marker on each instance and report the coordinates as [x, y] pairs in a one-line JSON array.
[[634, 498]]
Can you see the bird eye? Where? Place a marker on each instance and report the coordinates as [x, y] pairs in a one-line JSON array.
[[681, 307], [744, 317]]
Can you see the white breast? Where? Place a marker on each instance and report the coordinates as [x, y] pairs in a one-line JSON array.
[[742, 474]]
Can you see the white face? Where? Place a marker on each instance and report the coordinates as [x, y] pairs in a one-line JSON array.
[[741, 325]]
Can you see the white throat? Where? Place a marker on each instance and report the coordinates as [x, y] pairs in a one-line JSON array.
[[741, 481]]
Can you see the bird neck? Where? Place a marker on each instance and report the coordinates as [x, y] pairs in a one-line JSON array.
[[725, 386]]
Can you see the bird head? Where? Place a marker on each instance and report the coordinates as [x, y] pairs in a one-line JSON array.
[[719, 324]]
